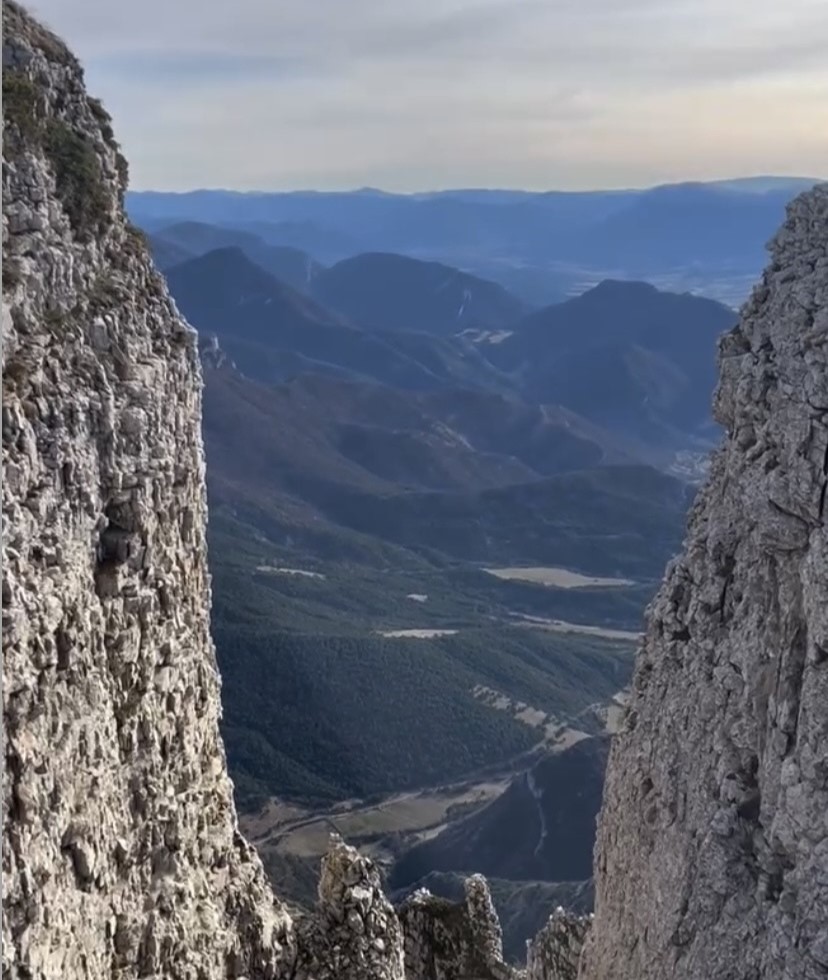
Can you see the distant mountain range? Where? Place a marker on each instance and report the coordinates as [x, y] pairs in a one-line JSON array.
[[634, 362], [189, 239], [542, 246], [273, 331]]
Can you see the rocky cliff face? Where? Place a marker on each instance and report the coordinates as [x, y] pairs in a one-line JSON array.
[[555, 953], [712, 860], [121, 855]]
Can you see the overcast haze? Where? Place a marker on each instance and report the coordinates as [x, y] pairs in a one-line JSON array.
[[428, 94]]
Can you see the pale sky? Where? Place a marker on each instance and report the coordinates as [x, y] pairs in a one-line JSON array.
[[428, 94]]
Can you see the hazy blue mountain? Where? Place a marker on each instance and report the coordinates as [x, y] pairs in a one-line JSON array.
[[325, 243], [763, 183], [166, 254], [395, 292], [631, 358], [707, 237], [273, 331], [684, 224], [198, 237], [194, 238], [530, 225]]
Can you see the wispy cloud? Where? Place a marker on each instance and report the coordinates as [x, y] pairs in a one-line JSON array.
[[540, 93]]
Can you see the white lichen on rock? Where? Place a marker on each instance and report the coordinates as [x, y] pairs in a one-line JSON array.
[[712, 859]]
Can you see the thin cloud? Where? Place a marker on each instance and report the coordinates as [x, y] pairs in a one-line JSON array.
[[275, 93]]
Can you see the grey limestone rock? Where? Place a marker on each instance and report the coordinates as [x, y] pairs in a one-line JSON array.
[[451, 941], [354, 933], [712, 857], [555, 953], [121, 854]]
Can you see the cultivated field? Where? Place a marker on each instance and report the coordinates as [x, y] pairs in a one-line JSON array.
[[558, 578], [304, 833]]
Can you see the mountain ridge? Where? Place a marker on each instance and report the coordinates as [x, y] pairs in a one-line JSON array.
[[636, 346], [415, 295], [627, 356], [271, 330]]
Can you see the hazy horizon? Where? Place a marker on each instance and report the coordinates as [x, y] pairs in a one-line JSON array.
[[275, 95], [495, 189]]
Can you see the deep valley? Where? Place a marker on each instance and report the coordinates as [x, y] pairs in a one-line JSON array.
[[437, 512]]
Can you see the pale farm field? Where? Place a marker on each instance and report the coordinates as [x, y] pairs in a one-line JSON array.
[[303, 834], [558, 578]]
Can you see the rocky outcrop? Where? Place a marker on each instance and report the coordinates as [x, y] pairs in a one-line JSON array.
[[555, 953], [712, 858], [454, 941], [355, 933], [121, 854]]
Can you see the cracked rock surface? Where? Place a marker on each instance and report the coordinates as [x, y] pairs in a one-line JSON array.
[[712, 857], [555, 953], [121, 854]]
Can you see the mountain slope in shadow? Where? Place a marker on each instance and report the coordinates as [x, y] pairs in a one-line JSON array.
[[273, 331], [394, 292], [629, 357]]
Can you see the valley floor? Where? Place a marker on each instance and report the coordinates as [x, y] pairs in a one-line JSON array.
[[387, 827]]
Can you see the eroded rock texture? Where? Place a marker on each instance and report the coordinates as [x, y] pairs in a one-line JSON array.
[[555, 953], [121, 855], [712, 859], [452, 941], [354, 933]]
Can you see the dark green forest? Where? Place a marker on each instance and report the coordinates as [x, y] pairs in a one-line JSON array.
[[322, 717]]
